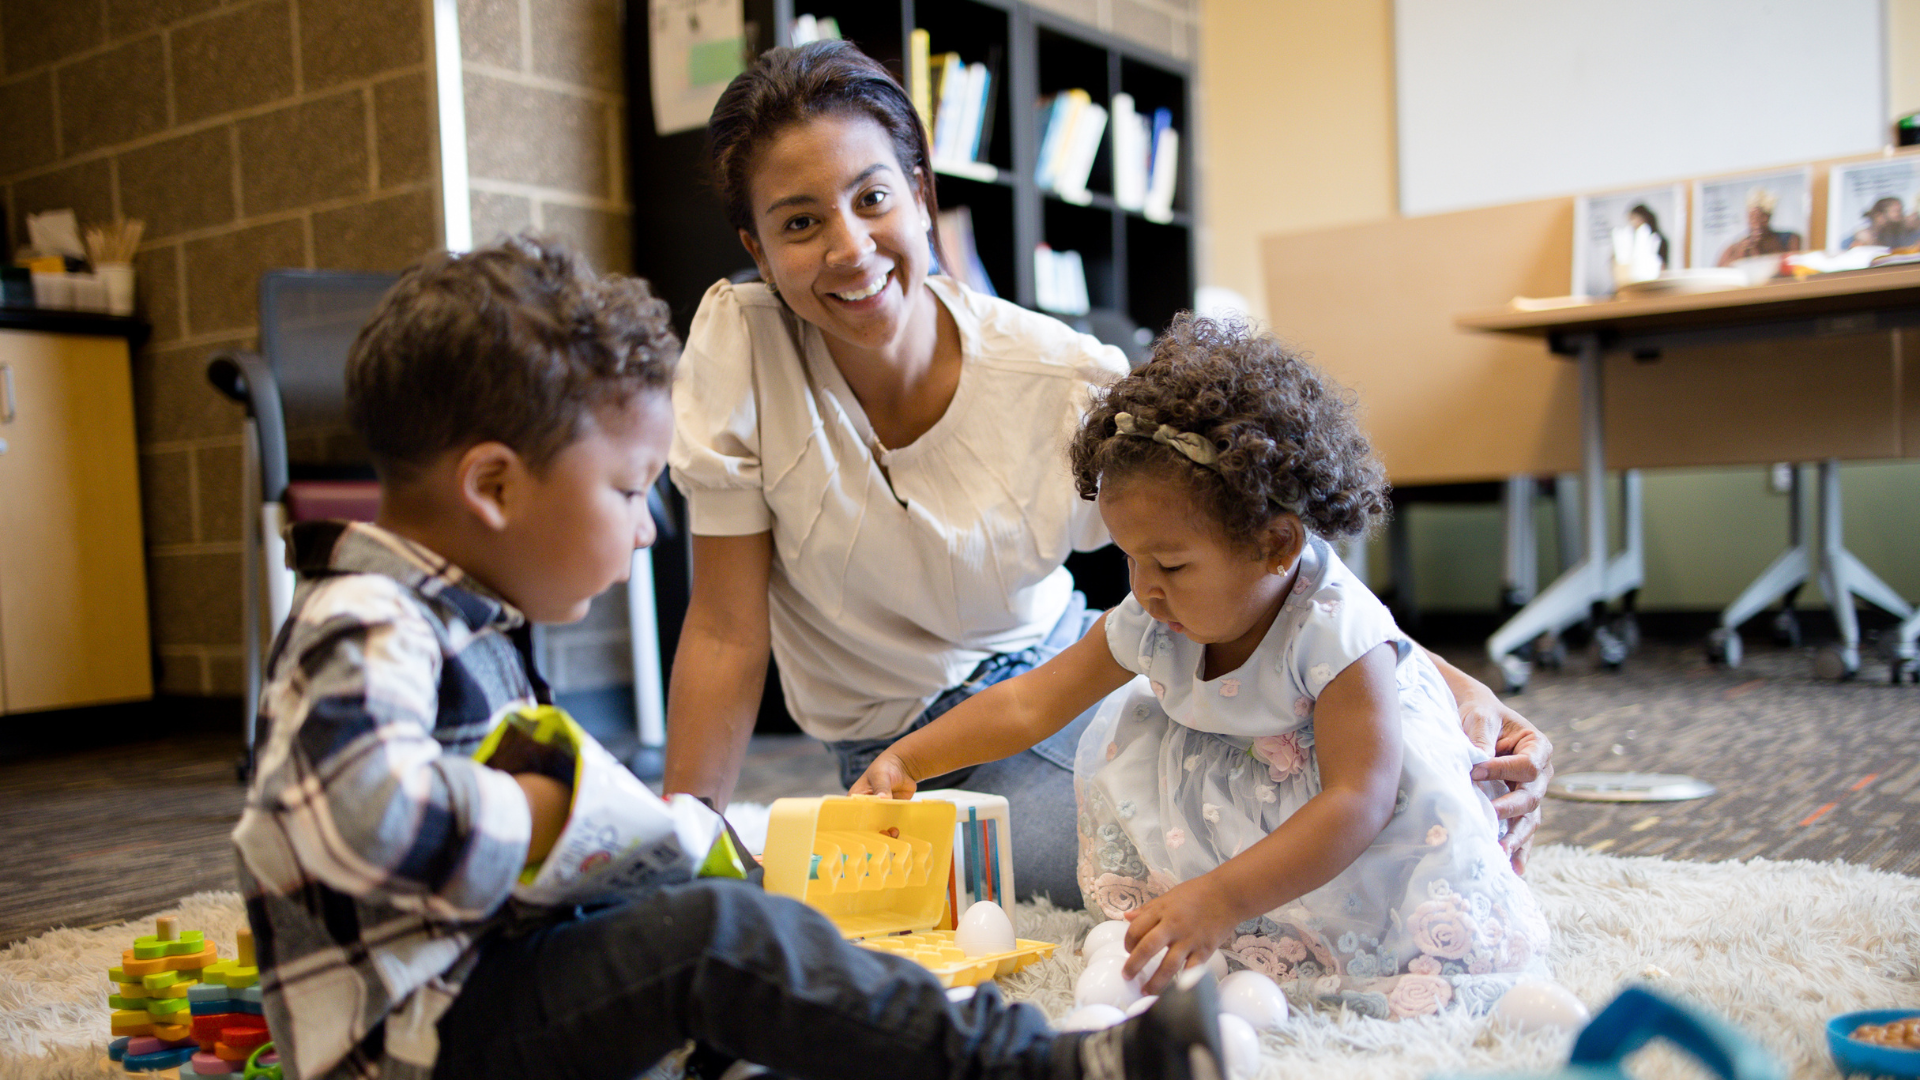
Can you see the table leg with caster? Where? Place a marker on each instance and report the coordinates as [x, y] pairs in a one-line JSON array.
[[1572, 595], [1842, 577], [1782, 577]]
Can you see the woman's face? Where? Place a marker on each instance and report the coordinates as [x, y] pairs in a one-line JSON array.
[[840, 229]]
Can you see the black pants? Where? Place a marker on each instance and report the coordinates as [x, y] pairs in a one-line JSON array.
[[750, 975]]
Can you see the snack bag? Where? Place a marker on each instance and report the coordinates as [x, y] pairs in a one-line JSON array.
[[620, 838]]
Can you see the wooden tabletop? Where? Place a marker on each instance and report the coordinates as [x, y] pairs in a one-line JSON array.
[[1821, 294]]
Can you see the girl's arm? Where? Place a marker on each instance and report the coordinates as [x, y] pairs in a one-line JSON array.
[[720, 666], [1356, 737], [1003, 719]]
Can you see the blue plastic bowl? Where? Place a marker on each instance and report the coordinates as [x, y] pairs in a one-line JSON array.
[[1853, 1056]]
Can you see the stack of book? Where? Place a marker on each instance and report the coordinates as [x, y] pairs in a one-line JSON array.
[[1059, 281], [808, 29], [956, 237], [1146, 157], [1071, 123], [955, 102]]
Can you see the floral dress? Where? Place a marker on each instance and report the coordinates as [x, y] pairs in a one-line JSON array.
[[1176, 774]]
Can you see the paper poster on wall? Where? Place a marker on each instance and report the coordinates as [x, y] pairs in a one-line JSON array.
[[695, 47], [1874, 204], [1751, 216], [1624, 236]]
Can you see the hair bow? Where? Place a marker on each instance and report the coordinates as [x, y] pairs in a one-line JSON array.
[[1196, 447]]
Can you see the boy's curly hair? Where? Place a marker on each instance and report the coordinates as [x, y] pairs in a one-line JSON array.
[[518, 342], [1285, 433]]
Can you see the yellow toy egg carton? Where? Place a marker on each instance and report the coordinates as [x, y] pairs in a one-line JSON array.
[[879, 869]]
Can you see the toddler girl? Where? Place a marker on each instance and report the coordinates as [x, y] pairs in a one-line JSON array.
[[1285, 779]]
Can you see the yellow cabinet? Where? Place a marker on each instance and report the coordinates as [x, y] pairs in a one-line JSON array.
[[73, 583]]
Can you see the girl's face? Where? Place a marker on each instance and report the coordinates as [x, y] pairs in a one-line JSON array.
[[840, 229], [1184, 571]]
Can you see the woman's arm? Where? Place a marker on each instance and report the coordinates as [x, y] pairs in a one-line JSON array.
[[1356, 740], [720, 666], [1523, 757], [1003, 719]]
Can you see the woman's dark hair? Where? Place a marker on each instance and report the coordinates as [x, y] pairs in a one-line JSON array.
[[791, 85], [1653, 223], [1285, 433]]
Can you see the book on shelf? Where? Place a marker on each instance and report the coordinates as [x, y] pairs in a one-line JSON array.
[[956, 237], [808, 29], [1132, 147], [955, 101], [1072, 127], [1165, 172], [1060, 281]]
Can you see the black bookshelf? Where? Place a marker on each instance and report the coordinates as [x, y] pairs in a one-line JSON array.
[[1139, 272]]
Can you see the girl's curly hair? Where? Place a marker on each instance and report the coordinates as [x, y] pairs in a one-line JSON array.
[[1285, 433]]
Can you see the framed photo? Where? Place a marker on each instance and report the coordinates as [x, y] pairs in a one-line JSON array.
[[1744, 217], [1626, 236], [1873, 203]]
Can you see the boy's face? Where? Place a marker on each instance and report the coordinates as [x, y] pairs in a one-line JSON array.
[[574, 531]]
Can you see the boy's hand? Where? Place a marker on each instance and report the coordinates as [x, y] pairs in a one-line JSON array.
[[1189, 921], [887, 777], [547, 801]]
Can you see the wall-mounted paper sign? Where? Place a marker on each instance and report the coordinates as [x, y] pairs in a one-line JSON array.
[[695, 47], [1624, 236], [1751, 216], [1874, 204]]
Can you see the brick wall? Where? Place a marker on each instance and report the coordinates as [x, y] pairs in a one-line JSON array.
[[248, 135], [545, 96]]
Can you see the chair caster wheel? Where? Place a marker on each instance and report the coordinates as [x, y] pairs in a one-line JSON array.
[[1724, 648], [1627, 628], [1903, 669], [1514, 673], [1609, 648], [1550, 652], [1786, 629], [1838, 664]]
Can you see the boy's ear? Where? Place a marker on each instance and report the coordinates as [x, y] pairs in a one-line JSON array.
[[1286, 538], [489, 476]]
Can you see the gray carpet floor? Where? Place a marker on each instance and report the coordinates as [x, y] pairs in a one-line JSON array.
[[1804, 769]]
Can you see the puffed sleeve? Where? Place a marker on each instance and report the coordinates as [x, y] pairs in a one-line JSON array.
[[1100, 367], [715, 458], [1131, 634], [1344, 623]]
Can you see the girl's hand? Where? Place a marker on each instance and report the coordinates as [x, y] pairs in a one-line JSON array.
[[1190, 921], [887, 777]]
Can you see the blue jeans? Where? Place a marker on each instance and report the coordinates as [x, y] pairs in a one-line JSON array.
[[1037, 783], [749, 975]]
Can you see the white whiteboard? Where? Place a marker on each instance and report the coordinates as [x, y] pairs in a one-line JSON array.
[[1505, 100]]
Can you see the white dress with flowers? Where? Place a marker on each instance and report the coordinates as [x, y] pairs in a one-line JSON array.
[[1177, 774]]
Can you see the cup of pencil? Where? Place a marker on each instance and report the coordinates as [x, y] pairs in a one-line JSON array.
[[111, 248]]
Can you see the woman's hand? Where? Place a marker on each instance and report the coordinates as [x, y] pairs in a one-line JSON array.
[[1523, 760], [1190, 921], [887, 776], [1523, 757]]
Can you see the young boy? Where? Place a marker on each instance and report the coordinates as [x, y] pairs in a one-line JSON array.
[[516, 408]]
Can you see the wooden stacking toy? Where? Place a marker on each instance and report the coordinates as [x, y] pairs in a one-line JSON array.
[[178, 1006], [879, 868]]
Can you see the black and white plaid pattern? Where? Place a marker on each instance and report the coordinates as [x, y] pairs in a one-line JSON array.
[[374, 852]]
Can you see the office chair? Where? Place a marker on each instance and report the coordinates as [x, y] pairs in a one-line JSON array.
[[302, 462]]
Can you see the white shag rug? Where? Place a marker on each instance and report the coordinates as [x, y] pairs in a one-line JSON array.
[[1774, 947]]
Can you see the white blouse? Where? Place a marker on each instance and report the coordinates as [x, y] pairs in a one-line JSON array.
[[884, 595]]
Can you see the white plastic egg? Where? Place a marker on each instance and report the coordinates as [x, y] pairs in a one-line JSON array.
[[1541, 1005], [984, 930], [1255, 998], [1090, 1018], [1110, 931], [1241, 1045], [1142, 1005], [1102, 984]]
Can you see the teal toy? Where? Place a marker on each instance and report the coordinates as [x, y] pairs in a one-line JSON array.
[[1637, 1017]]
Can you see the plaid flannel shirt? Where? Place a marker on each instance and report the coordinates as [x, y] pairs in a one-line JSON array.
[[374, 852]]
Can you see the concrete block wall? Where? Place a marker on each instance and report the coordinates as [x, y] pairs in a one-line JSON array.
[[247, 134], [1170, 26]]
